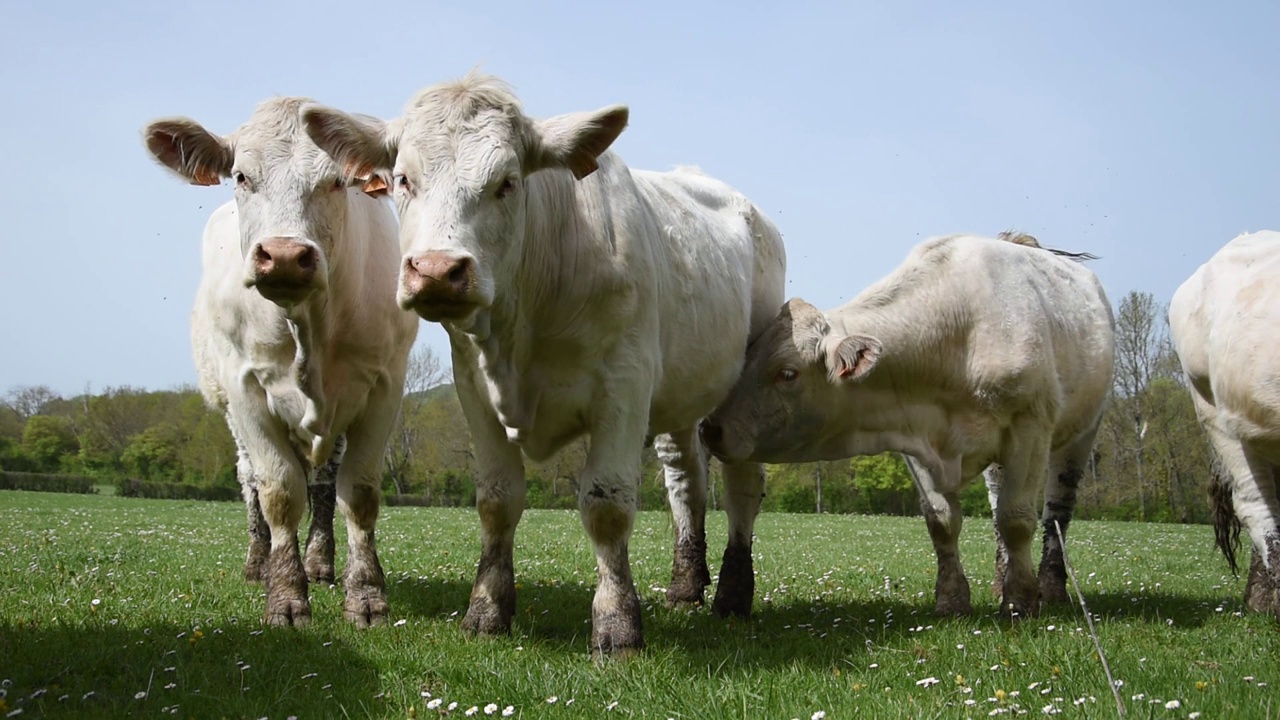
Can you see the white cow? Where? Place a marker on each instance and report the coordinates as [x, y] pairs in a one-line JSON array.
[[974, 351], [579, 296], [1224, 321], [297, 338]]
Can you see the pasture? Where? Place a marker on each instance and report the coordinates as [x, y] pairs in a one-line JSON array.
[[113, 606]]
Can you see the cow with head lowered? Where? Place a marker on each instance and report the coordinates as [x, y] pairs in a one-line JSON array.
[[580, 297], [1223, 321], [973, 352], [298, 341]]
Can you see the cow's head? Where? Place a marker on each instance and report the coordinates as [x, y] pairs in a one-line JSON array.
[[785, 402], [459, 160], [290, 196]]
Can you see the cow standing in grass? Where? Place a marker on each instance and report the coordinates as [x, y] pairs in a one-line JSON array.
[[579, 296], [974, 351], [1224, 321], [298, 340]]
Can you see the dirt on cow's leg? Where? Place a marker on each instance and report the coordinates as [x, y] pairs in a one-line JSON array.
[[685, 472], [736, 589], [689, 574], [493, 596], [1052, 576], [1002, 566], [287, 602], [1273, 555], [1059, 507], [1258, 592], [943, 518], [608, 510], [259, 539], [363, 581], [1021, 592], [743, 493], [319, 561]]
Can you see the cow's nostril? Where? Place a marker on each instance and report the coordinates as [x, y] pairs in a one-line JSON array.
[[307, 258], [261, 256], [458, 274]]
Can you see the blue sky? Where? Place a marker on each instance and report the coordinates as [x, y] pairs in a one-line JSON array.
[[1144, 132]]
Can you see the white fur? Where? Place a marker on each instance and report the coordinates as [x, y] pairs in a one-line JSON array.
[[1224, 321]]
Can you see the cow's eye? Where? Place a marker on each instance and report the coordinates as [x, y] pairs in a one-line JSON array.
[[786, 375], [339, 184], [240, 179], [505, 189]]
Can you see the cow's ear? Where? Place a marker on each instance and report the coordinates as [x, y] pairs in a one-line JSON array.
[[186, 148], [574, 141], [851, 357], [360, 144]]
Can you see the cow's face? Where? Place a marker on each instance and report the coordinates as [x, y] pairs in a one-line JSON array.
[[459, 159], [290, 196], [786, 400]]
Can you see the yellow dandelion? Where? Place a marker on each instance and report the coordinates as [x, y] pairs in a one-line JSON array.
[[959, 679], [1202, 685], [858, 686], [835, 671], [1001, 695], [1056, 670]]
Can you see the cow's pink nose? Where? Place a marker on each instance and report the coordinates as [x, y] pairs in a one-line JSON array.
[[284, 261]]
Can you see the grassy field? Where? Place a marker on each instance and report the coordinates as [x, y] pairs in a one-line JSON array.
[[111, 606]]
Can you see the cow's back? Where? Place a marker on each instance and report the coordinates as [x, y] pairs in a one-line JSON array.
[[1223, 321], [719, 268]]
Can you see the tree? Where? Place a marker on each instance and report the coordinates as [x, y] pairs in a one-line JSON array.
[[421, 375], [28, 401], [46, 440]]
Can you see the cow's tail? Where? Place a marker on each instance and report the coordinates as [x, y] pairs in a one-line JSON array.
[[1226, 524], [1021, 238]]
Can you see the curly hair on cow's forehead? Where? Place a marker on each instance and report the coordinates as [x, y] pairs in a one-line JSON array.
[[461, 100]]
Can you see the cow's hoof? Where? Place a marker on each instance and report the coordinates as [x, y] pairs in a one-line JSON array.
[[737, 587], [1053, 592], [486, 618], [288, 611], [953, 606], [689, 575], [617, 634], [1015, 609], [366, 608]]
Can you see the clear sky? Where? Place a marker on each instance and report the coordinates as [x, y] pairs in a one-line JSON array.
[[1145, 132]]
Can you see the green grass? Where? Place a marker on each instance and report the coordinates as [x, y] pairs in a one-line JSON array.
[[112, 606]]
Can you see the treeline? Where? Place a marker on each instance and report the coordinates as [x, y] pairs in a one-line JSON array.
[[1150, 463]]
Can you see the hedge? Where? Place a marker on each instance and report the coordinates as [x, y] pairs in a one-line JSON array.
[[46, 482], [132, 487]]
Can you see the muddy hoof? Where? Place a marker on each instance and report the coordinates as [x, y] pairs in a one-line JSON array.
[[737, 587], [487, 618], [321, 575], [617, 634], [366, 608], [954, 606], [286, 612]]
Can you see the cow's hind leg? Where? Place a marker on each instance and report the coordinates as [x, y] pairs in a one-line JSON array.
[[318, 560], [1065, 472], [1025, 461], [743, 493], [685, 468], [1254, 487], [993, 476]]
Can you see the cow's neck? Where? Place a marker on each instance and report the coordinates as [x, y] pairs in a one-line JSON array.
[[548, 294]]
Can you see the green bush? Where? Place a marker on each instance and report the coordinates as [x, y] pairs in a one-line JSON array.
[[133, 487], [47, 482]]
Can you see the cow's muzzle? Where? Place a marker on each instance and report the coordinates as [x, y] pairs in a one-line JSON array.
[[284, 269], [439, 286]]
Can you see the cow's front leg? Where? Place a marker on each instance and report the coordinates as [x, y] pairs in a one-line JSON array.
[[1026, 462], [743, 493], [318, 560], [282, 492], [940, 504], [607, 502], [685, 468], [500, 497], [359, 495]]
